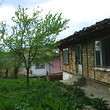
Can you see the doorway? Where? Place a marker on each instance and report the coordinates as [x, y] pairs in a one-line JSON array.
[[79, 58]]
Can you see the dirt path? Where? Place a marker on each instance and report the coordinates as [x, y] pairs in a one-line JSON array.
[[96, 93]]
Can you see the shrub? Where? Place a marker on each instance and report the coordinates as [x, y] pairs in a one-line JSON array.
[[77, 91], [100, 103]]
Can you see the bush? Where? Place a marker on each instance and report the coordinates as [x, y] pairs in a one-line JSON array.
[[100, 103], [21, 75], [77, 91]]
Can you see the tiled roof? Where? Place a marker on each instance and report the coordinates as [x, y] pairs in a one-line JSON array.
[[86, 33]]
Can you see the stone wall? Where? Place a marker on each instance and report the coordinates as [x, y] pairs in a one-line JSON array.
[[85, 61], [89, 66], [88, 60], [73, 60], [70, 67], [103, 76]]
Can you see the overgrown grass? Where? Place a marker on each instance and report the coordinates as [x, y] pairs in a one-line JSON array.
[[44, 95]]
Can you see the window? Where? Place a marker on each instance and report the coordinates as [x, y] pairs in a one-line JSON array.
[[65, 55], [102, 52], [97, 53], [40, 66], [78, 54]]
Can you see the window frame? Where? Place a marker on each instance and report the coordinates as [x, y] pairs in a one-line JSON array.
[[66, 56], [101, 54], [97, 51], [38, 66]]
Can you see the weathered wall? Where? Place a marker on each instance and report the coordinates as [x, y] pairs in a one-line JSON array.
[[71, 66], [85, 61], [103, 76], [88, 60], [88, 65], [74, 60], [55, 68]]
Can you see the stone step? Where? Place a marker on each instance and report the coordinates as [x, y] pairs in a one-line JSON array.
[[74, 80], [67, 82]]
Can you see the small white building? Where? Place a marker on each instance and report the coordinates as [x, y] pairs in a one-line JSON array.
[[40, 69], [43, 69], [46, 68]]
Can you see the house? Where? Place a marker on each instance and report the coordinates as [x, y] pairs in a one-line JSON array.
[[87, 53], [43, 69], [40, 69]]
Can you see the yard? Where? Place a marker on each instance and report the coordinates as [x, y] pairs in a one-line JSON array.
[[44, 95]]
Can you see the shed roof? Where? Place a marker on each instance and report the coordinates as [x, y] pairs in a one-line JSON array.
[[97, 30]]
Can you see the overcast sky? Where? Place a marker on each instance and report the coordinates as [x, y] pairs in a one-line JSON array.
[[82, 13]]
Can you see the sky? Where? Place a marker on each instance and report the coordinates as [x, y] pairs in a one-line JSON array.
[[82, 13]]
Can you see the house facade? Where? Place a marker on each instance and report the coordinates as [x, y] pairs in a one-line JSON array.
[[42, 69], [87, 53], [52, 67]]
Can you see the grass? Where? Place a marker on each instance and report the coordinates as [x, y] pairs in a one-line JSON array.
[[44, 95]]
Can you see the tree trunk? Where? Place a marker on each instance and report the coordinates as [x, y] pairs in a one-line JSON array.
[[6, 73], [27, 76], [16, 72]]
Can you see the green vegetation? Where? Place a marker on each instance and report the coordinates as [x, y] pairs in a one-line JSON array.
[[9, 64], [44, 95], [32, 37]]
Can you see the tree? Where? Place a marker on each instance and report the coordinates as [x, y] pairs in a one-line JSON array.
[[33, 38], [5, 62], [16, 64], [8, 60]]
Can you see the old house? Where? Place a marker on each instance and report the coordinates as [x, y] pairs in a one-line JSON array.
[[87, 53], [42, 69], [52, 67]]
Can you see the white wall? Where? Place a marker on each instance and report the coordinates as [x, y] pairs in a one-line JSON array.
[[66, 76], [40, 72]]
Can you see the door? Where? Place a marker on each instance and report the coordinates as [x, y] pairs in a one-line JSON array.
[[79, 58]]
